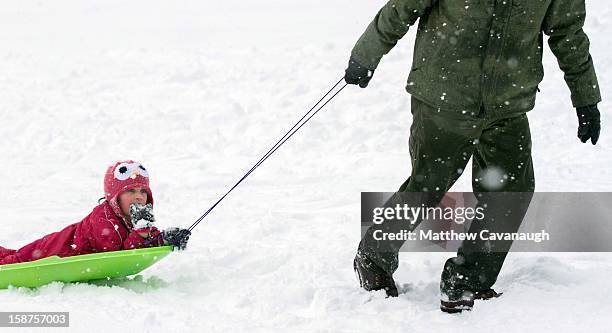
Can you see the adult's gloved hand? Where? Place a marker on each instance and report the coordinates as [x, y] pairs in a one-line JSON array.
[[176, 237], [588, 123], [141, 216], [357, 74]]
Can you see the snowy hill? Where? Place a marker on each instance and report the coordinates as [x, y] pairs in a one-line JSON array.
[[197, 91]]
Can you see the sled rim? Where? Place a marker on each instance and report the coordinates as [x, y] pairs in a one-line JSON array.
[[83, 268], [54, 260]]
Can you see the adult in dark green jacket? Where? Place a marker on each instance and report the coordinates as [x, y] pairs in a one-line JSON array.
[[475, 73]]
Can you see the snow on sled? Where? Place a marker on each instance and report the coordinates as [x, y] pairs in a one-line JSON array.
[[80, 268]]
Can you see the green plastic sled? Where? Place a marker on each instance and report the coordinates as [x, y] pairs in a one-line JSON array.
[[80, 268]]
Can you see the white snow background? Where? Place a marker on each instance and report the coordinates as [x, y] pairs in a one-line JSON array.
[[198, 91]]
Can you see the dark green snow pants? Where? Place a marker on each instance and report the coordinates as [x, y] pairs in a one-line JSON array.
[[441, 144]]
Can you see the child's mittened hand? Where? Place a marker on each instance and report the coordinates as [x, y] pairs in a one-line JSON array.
[[176, 237], [142, 216]]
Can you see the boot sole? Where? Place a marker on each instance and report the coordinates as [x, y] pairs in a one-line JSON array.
[[456, 307]]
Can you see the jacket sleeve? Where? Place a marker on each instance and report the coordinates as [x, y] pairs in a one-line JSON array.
[[135, 241], [389, 25], [563, 23]]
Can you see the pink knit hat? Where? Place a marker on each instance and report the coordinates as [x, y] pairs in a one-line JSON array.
[[123, 176]]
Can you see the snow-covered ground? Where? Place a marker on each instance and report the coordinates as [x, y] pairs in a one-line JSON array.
[[197, 91]]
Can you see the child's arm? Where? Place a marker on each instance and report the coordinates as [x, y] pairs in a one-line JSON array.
[[144, 233], [108, 233], [138, 238]]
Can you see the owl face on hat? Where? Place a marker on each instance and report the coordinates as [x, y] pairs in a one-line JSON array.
[[123, 176]]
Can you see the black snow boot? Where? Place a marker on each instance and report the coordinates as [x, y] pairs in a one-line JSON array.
[[457, 306], [486, 294], [371, 277], [466, 302]]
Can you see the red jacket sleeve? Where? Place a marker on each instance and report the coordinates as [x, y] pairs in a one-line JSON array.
[[108, 233], [135, 241]]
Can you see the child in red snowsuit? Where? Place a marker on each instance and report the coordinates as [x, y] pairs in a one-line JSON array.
[[111, 225]]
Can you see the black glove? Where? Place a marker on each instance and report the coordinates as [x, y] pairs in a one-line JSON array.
[[141, 216], [176, 237], [588, 123], [357, 74]]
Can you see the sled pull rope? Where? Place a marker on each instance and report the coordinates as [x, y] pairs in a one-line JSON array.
[[305, 118]]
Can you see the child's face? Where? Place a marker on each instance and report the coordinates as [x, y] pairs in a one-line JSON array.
[[136, 195]]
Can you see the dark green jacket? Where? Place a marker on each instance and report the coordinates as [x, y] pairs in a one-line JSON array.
[[470, 53]]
